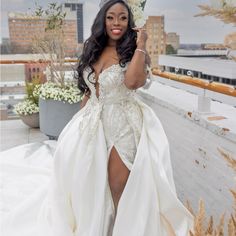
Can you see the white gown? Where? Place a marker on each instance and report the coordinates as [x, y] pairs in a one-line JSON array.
[[61, 188]]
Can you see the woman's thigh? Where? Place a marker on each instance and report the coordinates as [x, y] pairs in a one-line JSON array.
[[118, 173]]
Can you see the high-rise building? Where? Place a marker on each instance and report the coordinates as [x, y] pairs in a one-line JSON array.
[[74, 11], [173, 40], [23, 28], [156, 43], [5, 46]]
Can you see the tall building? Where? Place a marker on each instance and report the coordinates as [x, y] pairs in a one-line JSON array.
[[23, 28], [156, 43], [5, 46], [173, 40], [74, 11]]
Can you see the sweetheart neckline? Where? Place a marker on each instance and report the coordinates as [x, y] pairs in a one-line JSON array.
[[105, 70], [100, 75], [88, 70]]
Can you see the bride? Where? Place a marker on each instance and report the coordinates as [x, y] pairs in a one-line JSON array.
[[111, 171]]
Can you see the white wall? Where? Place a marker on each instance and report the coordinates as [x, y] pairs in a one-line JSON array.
[[12, 72], [209, 66]]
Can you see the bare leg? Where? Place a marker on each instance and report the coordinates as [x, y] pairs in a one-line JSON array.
[[118, 174]]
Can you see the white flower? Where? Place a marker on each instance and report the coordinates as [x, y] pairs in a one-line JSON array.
[[70, 93], [27, 107], [137, 7], [132, 2]]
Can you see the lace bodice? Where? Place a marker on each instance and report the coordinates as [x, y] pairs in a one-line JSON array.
[[111, 86], [118, 110]]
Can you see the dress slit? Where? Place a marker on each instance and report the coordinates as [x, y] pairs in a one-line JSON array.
[[129, 166], [109, 155]]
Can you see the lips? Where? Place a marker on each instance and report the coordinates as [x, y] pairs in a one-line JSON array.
[[116, 31]]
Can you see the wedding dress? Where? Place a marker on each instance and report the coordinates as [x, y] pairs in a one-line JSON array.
[[61, 188]]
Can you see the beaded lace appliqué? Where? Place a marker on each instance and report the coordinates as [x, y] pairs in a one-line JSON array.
[[111, 91]]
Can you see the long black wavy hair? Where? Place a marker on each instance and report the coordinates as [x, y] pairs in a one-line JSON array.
[[96, 43]]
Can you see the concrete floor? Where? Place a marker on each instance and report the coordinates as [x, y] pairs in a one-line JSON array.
[[15, 132], [199, 171]]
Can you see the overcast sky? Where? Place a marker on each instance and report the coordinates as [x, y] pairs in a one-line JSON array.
[[179, 17]]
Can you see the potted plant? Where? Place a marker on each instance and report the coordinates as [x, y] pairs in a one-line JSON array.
[[28, 112], [28, 109], [57, 106], [59, 98]]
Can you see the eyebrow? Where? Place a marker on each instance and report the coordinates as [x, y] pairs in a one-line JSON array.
[[113, 13]]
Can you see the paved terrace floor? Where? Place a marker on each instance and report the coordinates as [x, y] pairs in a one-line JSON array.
[[15, 132], [192, 142]]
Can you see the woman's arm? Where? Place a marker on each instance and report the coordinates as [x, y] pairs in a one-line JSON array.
[[136, 74]]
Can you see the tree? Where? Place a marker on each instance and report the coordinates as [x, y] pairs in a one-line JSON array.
[[225, 11], [170, 49], [52, 43]]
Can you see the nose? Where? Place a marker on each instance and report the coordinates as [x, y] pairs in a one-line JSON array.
[[116, 21]]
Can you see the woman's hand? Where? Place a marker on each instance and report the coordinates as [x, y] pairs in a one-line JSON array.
[[136, 74], [141, 37], [141, 42]]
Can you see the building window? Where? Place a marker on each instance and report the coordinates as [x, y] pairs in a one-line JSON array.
[[73, 7]]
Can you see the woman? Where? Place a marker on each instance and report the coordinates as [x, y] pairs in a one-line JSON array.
[[112, 174], [108, 49]]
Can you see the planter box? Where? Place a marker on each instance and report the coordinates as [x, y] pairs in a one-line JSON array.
[[31, 120], [54, 116]]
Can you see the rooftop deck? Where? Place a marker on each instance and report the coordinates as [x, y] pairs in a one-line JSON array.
[[15, 132], [221, 120], [199, 170]]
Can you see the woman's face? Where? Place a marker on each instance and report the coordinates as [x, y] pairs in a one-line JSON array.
[[117, 18]]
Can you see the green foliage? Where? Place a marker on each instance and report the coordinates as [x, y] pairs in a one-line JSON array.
[[30, 87], [54, 15], [142, 4], [170, 49], [51, 44]]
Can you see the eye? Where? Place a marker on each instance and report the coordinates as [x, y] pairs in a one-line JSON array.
[[109, 17], [123, 18]]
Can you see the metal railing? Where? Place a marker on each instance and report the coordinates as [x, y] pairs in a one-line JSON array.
[[209, 85], [33, 61]]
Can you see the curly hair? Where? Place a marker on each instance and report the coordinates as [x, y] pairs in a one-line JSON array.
[[95, 44]]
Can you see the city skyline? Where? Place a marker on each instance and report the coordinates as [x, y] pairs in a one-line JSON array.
[[179, 18]]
